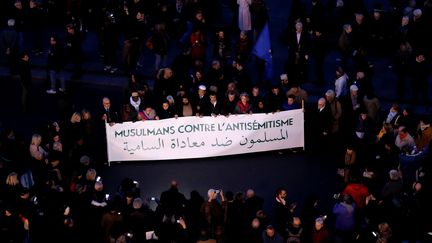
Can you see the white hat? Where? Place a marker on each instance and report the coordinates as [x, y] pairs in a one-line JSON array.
[[354, 87], [202, 87], [330, 92], [283, 76]]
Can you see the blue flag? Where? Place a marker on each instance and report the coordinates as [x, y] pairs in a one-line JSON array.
[[262, 50]]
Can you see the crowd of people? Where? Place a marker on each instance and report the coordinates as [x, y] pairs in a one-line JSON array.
[[51, 190]]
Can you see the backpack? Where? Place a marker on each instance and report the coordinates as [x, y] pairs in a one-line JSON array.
[[294, 238]]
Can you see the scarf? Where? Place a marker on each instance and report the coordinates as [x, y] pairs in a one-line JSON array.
[[243, 108], [281, 201], [136, 105]]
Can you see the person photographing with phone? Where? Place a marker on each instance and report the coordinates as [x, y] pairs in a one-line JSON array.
[[212, 210]]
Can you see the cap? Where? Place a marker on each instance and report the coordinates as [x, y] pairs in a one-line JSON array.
[[134, 94], [354, 87], [330, 92], [394, 174], [137, 203], [417, 12], [84, 159], [169, 97], [284, 76], [202, 87]]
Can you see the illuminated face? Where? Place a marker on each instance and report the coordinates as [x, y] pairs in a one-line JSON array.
[[165, 106], [168, 73], [70, 30], [201, 92], [139, 16], [318, 225], [244, 99], [255, 91], [148, 110], [321, 104], [86, 115], [231, 98], [283, 194], [53, 41], [290, 101], [270, 233], [106, 103], [405, 20], [213, 98]]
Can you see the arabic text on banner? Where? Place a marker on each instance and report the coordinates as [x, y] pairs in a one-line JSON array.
[[200, 137]]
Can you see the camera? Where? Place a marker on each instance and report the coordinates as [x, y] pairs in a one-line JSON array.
[[107, 196], [217, 191], [153, 198], [129, 235]]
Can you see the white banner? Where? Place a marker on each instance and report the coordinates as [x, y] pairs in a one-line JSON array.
[[198, 137]]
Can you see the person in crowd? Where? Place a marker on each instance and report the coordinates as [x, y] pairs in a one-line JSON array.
[[283, 210], [319, 232], [298, 56], [336, 110], [186, 108], [346, 45], [393, 116], [222, 48], [344, 212], [270, 235], [243, 106], [165, 83], [166, 111], [424, 133], [147, 114], [108, 114], [322, 123], [341, 83], [74, 50], [55, 65], [172, 201], [201, 100], [160, 40], [212, 211], [109, 44], [290, 104], [402, 66], [135, 102], [24, 71], [372, 105], [230, 103], [214, 107], [404, 139], [295, 231], [243, 47], [9, 44], [37, 152], [300, 94], [244, 15], [275, 99], [285, 84]]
